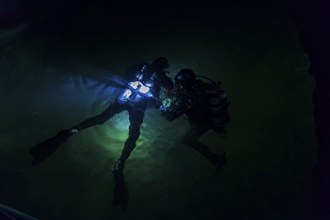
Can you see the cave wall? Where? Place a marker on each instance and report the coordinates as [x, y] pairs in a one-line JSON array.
[[312, 19]]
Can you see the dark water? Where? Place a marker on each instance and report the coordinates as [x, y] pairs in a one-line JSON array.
[[52, 81]]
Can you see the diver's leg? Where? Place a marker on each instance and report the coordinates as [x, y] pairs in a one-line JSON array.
[[191, 139], [109, 112], [135, 118], [44, 149]]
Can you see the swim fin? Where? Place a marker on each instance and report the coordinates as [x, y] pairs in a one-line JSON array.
[[45, 148]]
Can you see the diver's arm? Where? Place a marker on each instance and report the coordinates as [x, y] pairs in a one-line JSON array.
[[171, 116], [173, 108]]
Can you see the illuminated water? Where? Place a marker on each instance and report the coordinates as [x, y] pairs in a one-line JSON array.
[[270, 144]]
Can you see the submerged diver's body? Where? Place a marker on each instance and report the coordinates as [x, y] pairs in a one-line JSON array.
[[205, 105], [131, 102]]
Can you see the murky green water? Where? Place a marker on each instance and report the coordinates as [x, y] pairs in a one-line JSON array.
[[270, 145]]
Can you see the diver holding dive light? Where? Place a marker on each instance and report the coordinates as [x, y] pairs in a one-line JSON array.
[[206, 106], [147, 86]]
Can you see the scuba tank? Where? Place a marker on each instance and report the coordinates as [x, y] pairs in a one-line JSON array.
[[218, 104]]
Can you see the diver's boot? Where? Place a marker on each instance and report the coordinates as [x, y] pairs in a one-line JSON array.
[[118, 166]]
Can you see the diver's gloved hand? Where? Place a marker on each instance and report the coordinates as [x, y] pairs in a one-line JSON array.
[[44, 149]]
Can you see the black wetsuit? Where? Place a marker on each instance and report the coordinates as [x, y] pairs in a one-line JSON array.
[[136, 111], [195, 103], [135, 105]]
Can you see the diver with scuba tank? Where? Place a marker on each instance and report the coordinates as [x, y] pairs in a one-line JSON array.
[[206, 106]]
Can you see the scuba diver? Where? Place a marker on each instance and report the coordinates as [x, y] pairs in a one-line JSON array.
[[206, 106], [146, 86]]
